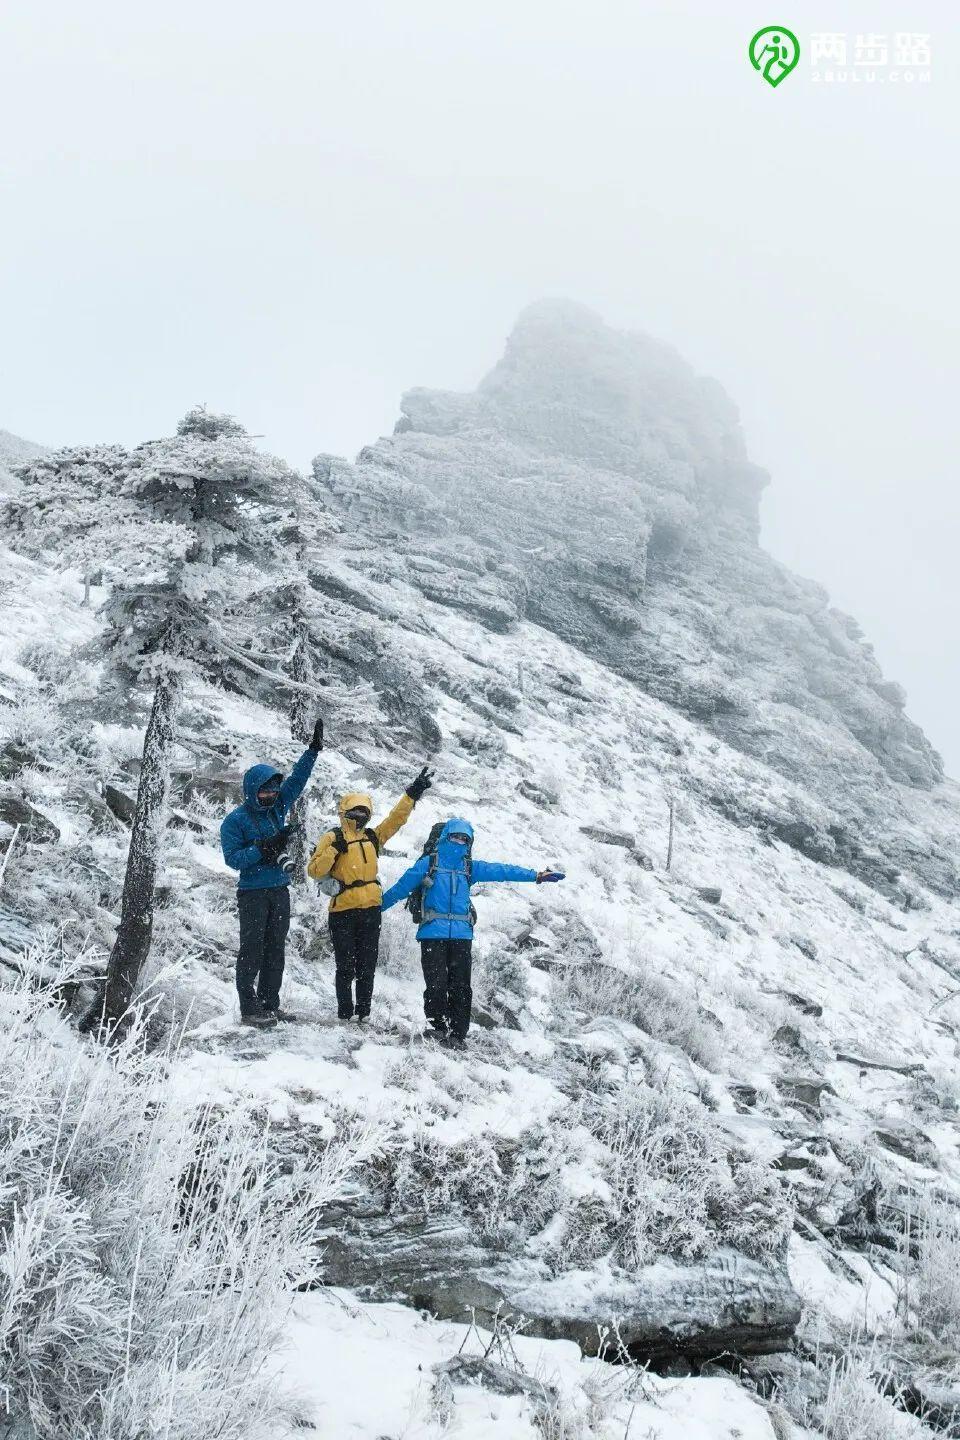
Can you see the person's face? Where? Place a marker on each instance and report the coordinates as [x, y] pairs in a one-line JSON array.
[[268, 794], [459, 838], [358, 815]]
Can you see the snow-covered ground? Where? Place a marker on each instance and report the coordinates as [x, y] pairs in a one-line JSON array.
[[366, 1370], [810, 1020]]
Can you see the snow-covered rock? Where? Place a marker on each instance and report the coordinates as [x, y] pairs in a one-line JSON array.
[[597, 486], [697, 1092]]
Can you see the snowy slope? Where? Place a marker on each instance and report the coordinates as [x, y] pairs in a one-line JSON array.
[[798, 1035], [714, 982]]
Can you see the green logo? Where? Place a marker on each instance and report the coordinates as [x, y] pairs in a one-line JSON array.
[[775, 50]]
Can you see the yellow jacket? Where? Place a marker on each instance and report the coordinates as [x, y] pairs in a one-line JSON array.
[[358, 867]]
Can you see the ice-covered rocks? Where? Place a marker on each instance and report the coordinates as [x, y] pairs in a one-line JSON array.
[[595, 484]]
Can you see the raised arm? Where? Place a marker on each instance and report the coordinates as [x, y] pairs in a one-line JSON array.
[[398, 816], [403, 809], [295, 783], [407, 883]]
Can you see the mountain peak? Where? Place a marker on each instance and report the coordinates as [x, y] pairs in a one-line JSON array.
[[595, 484]]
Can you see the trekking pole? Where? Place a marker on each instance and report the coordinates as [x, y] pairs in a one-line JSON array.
[[670, 836], [10, 845]]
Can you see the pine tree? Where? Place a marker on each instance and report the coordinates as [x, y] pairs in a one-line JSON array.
[[305, 628], [185, 530]]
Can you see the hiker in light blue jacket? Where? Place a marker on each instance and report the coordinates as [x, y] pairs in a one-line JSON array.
[[439, 886]]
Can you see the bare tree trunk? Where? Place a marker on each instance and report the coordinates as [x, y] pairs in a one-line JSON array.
[[132, 945], [301, 728], [670, 836], [86, 587]]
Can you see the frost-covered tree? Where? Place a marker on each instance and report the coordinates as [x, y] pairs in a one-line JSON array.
[[302, 629], [187, 530]]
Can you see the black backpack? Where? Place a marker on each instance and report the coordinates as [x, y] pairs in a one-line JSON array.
[[414, 901], [341, 846]]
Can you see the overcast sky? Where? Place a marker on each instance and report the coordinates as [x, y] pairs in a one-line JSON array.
[[296, 211]]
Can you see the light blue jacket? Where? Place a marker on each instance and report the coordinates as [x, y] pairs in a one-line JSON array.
[[446, 900], [252, 822]]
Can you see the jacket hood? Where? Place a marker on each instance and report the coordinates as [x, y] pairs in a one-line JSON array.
[[347, 802], [256, 776]]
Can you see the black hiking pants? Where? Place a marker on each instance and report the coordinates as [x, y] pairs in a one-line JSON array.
[[446, 972], [264, 922], [356, 945]]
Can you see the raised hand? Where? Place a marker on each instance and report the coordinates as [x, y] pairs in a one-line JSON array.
[[550, 877], [421, 785]]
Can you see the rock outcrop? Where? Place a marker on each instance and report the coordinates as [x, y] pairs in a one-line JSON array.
[[594, 484], [697, 1309]]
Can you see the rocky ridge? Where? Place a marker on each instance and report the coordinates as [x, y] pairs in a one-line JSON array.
[[595, 485]]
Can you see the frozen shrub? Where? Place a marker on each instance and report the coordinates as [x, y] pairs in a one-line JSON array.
[[507, 1189], [503, 969], [665, 1183], [853, 1406], [931, 1298], [147, 1250], [399, 952], [667, 1012], [675, 1188]]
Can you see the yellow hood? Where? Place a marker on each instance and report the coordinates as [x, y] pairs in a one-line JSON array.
[[347, 802]]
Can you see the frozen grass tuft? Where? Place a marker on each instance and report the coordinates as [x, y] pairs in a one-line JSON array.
[[667, 1012], [856, 1409], [147, 1250], [675, 1188], [931, 1298], [664, 1182]]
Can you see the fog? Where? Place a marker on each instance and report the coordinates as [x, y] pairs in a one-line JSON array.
[[295, 212]]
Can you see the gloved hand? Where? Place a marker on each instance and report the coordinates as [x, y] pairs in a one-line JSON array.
[[273, 845], [316, 739], [548, 877], [418, 787]]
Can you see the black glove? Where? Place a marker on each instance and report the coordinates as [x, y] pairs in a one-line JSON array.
[[418, 787], [316, 739], [274, 845]]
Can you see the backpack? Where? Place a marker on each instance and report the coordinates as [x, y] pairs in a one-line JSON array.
[[414, 901], [330, 885]]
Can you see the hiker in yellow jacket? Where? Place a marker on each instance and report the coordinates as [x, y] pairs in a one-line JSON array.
[[348, 857]]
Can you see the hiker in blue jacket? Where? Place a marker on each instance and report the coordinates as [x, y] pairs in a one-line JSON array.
[[254, 840], [443, 875]]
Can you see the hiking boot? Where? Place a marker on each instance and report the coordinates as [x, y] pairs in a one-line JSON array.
[[361, 1019], [286, 1017], [262, 1020], [455, 1042]]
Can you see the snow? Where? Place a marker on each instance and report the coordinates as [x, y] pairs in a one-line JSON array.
[[365, 1371], [711, 1014], [832, 1294]]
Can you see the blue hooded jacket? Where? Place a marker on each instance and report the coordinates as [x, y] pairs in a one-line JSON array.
[[252, 822], [447, 899]]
